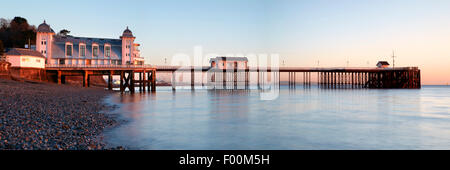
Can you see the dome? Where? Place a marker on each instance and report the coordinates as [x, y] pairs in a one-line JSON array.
[[127, 33], [44, 27]]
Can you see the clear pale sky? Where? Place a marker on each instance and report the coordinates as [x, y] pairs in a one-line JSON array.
[[301, 31]]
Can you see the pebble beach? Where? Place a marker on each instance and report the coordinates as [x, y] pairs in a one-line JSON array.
[[43, 116]]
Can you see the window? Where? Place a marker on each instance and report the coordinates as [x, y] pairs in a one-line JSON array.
[[62, 61], [113, 62], [95, 50], [107, 51], [68, 49], [82, 50]]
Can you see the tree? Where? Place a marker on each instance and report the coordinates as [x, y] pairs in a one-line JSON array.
[[4, 23], [20, 20], [64, 32], [16, 32]]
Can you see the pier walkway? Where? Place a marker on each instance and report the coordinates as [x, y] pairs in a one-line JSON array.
[[326, 77], [330, 77]]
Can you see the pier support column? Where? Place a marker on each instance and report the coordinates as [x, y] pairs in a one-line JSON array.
[[153, 81], [319, 79], [59, 77], [295, 80], [259, 76], [85, 79], [144, 81], [131, 79], [122, 77], [192, 79], [289, 79], [309, 78], [304, 79], [224, 78], [246, 80], [110, 81], [149, 80], [140, 81], [173, 81], [335, 80], [235, 77]]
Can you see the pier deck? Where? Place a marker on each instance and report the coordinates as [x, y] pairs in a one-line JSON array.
[[146, 75], [327, 77], [331, 77]]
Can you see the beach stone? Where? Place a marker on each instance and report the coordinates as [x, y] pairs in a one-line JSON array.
[[48, 116]]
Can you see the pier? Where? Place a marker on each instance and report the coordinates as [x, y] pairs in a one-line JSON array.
[[331, 78], [144, 76]]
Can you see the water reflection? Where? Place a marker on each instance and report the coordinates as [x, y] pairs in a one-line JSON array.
[[305, 118]]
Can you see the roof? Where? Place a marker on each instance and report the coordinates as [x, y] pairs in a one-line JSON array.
[[23, 51], [383, 63], [229, 59], [59, 43], [87, 40], [127, 33], [44, 27]]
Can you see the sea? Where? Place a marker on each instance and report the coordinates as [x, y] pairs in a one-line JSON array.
[[304, 118]]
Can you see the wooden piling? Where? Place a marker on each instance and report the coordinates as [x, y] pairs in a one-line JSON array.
[[122, 77], [153, 81], [110, 81]]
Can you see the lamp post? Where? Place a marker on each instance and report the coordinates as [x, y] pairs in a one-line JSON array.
[[393, 59]]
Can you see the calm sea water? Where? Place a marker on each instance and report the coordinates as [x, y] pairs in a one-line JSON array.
[[299, 119]]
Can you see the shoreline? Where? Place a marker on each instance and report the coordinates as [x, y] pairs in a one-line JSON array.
[[45, 116]]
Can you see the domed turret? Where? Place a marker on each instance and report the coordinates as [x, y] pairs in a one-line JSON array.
[[45, 28], [127, 33]]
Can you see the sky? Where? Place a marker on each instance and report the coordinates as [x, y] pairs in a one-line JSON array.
[[309, 33]]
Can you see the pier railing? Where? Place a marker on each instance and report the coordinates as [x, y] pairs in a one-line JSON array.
[[282, 69], [203, 68]]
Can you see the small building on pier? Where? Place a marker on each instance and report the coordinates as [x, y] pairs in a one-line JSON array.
[[382, 64], [229, 62]]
